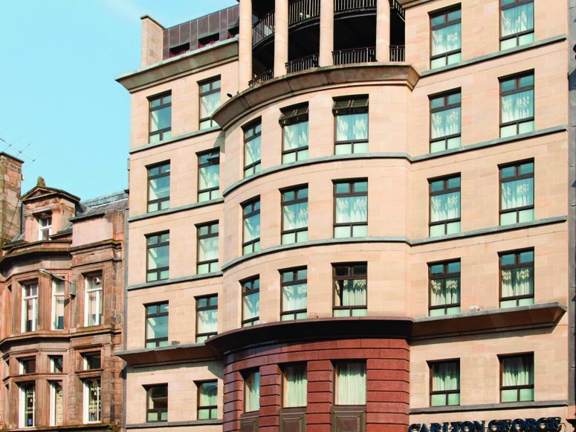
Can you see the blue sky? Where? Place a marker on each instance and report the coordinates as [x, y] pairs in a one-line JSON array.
[[61, 110]]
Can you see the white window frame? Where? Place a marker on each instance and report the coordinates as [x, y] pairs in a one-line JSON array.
[[86, 400], [55, 297], [98, 290], [53, 402], [44, 225], [25, 300], [22, 406]]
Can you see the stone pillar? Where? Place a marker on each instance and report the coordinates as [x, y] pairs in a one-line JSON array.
[[383, 31], [280, 37], [326, 32], [270, 398], [152, 41], [320, 394], [245, 45]]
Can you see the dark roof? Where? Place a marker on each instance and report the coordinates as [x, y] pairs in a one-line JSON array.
[[100, 205]]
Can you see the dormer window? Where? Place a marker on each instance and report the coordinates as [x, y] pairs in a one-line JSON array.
[[44, 227]]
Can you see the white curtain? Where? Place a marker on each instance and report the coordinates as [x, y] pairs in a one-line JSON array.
[[517, 19], [295, 216], [294, 297], [352, 127], [208, 395], [351, 209], [518, 106], [351, 384], [446, 39], [445, 123], [517, 371], [252, 392], [445, 291], [517, 282], [296, 386], [446, 377], [517, 193], [445, 207], [351, 292], [295, 136]]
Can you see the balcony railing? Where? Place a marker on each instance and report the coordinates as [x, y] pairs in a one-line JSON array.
[[263, 77], [302, 10], [356, 55], [263, 28], [398, 8], [302, 64], [397, 53], [347, 5]]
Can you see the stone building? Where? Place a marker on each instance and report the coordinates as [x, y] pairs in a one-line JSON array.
[[61, 308], [353, 215]]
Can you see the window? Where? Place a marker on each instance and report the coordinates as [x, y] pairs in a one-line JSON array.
[[44, 227], [445, 383], [94, 300], [517, 379], [159, 187], [156, 325], [56, 403], [209, 101], [157, 403], [294, 121], [350, 289], [517, 193], [295, 386], [160, 117], [92, 403], [516, 23], [351, 209], [158, 246], [294, 293], [350, 383], [516, 105], [58, 302], [207, 255], [295, 215], [29, 307], [56, 364], [446, 38], [517, 278], [251, 226], [444, 288], [208, 176], [206, 317], [92, 360], [250, 302], [207, 400], [351, 116], [28, 365], [252, 392], [445, 123], [27, 404], [445, 206], [252, 148]]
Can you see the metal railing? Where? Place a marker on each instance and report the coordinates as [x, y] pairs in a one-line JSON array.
[[346, 5], [302, 10], [356, 55], [398, 8], [263, 77], [397, 53], [263, 28], [302, 64]]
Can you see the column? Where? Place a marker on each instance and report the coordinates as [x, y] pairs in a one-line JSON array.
[[383, 31], [326, 32], [280, 37], [245, 45]]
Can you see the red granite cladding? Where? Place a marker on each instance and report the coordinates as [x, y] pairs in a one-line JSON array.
[[387, 369]]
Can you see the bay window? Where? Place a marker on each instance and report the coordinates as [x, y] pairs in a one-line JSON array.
[[295, 386], [93, 300], [27, 404], [92, 401], [58, 301], [56, 403], [29, 307], [350, 388], [252, 392]]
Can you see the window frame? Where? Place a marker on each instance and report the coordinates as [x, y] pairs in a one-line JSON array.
[[446, 106], [516, 177], [350, 276], [89, 357], [530, 265], [209, 306], [519, 35], [285, 385], [202, 121], [27, 414], [252, 376], [250, 287], [156, 342], [29, 325], [212, 409], [150, 409], [163, 133], [447, 22], [27, 365], [213, 264], [250, 209], [351, 105], [99, 292], [502, 359], [445, 275], [353, 184], [518, 88], [54, 362], [54, 402], [251, 132], [87, 400], [432, 365], [207, 159], [58, 298], [285, 203], [287, 315], [337, 367], [44, 226], [163, 171], [290, 116], [159, 243], [446, 189]]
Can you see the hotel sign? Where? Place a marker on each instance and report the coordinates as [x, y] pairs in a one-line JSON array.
[[543, 424]]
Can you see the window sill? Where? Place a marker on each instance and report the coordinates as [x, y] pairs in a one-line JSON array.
[[169, 424], [489, 407]]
